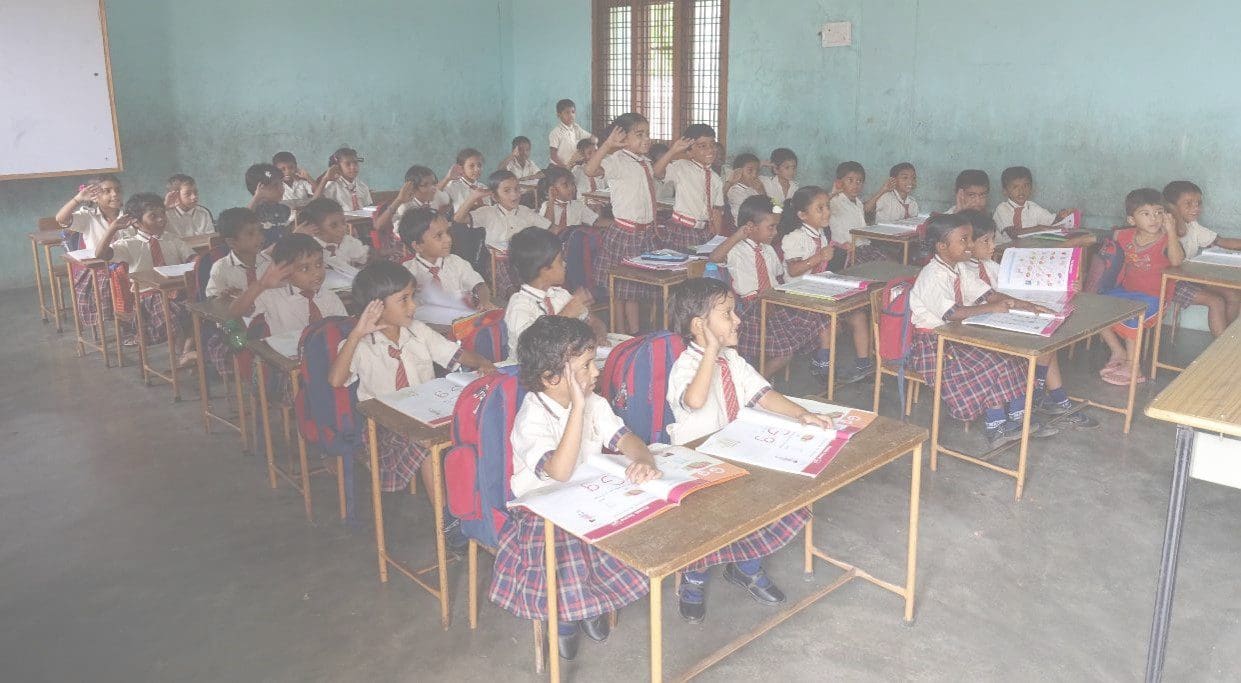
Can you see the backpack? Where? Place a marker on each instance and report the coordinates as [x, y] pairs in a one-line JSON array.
[[380, 240], [635, 382], [200, 274], [484, 334], [581, 248], [478, 467], [1105, 267], [896, 326]]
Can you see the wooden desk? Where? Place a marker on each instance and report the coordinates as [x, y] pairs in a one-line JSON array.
[[1094, 313], [663, 279], [216, 311], [713, 518], [1205, 397], [201, 243], [872, 233], [300, 479], [145, 282], [879, 271], [47, 240], [435, 440], [99, 269], [1207, 274], [1097, 235]]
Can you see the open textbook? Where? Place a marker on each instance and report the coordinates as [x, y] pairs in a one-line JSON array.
[[430, 403], [1062, 227], [900, 226], [598, 501], [764, 439], [1047, 277], [1025, 322], [825, 286], [174, 271], [339, 277], [1218, 256]]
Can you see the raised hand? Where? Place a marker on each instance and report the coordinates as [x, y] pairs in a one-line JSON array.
[[577, 395], [368, 321], [87, 193], [615, 140], [275, 275]]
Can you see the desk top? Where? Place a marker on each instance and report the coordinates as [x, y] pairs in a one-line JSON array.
[[202, 242], [1099, 234], [85, 262], [150, 279], [46, 237], [213, 309], [881, 271], [1206, 273], [870, 232], [1207, 395], [658, 277], [1093, 312], [393, 419], [878, 271], [717, 516], [272, 357]]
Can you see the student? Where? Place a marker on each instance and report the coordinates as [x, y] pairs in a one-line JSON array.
[[341, 180], [518, 161], [425, 232], [245, 261], [1050, 399], [561, 422], [1223, 303], [665, 193], [1018, 214], [537, 257], [975, 381], [290, 293], [505, 217], [622, 160], [1150, 246], [186, 217], [149, 247], [562, 208], [567, 135], [699, 200], [743, 182], [419, 191], [973, 187], [755, 267], [265, 184], [463, 177], [708, 384], [586, 148], [808, 250], [89, 213], [782, 182], [343, 252], [297, 183], [898, 203], [849, 212], [388, 350]]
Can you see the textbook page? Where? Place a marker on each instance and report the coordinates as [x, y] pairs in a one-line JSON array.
[[430, 403], [824, 286], [780, 443]]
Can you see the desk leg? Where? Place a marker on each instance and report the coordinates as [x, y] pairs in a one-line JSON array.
[[54, 284], [1167, 561], [664, 306], [303, 462], [173, 356], [905, 253], [381, 546], [911, 553], [612, 303], [261, 369], [553, 607], [1026, 417], [657, 629], [99, 326], [1163, 295], [831, 359], [73, 302], [203, 395], [242, 424], [939, 379], [140, 326], [762, 338], [441, 555], [1135, 364], [38, 279]]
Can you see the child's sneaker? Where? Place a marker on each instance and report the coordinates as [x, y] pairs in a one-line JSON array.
[[758, 585], [863, 370], [454, 538], [820, 363], [1076, 420], [692, 599]]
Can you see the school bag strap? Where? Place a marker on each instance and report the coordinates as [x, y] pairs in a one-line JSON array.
[[635, 382]]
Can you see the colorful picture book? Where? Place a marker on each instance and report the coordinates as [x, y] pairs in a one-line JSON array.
[[598, 501], [764, 439], [430, 403], [1047, 277], [825, 286]]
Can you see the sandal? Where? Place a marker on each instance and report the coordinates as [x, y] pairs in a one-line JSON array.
[[1120, 377], [1112, 366]]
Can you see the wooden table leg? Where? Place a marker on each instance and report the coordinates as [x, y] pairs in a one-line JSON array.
[[142, 337], [1171, 549], [441, 555], [612, 302], [1026, 416], [831, 360], [99, 326], [553, 599], [173, 356], [203, 395], [905, 252], [657, 628], [261, 371], [38, 279], [1163, 295], [57, 298], [381, 548], [242, 422], [762, 338], [939, 379], [73, 301], [1135, 365], [911, 553]]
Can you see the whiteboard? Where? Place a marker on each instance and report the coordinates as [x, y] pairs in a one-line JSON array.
[[58, 115]]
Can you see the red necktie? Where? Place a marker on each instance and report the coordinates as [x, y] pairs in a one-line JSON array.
[[706, 170], [251, 275], [1017, 216], [760, 269], [650, 185], [564, 213], [331, 248], [434, 271], [402, 381], [906, 205], [157, 252], [591, 178], [547, 305], [731, 405], [956, 291], [353, 194], [315, 314], [818, 246], [982, 274]]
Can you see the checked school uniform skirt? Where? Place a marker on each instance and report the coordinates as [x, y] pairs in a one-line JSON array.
[[788, 330], [675, 235], [589, 582], [1184, 293], [153, 317], [974, 378], [617, 246], [757, 545], [82, 278], [399, 458]]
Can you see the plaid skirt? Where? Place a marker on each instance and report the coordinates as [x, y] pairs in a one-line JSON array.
[[1184, 293], [216, 352], [399, 458], [974, 379], [757, 545], [589, 582], [279, 386], [788, 330], [154, 323], [618, 245], [85, 300], [673, 235]]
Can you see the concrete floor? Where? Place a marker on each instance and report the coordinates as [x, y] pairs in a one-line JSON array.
[[134, 547]]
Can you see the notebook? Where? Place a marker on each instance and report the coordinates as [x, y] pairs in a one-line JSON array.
[[430, 403], [901, 226], [81, 254], [1218, 256], [177, 270], [651, 264], [364, 212], [825, 286], [709, 246], [776, 442], [1025, 322]]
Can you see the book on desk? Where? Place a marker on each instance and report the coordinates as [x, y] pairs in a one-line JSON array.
[[777, 442], [430, 403], [1046, 277], [1218, 256], [825, 286]]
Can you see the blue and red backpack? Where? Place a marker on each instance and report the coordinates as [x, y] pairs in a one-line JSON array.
[[582, 246], [200, 274], [635, 382], [478, 468], [485, 334], [326, 415], [896, 328], [1106, 267]]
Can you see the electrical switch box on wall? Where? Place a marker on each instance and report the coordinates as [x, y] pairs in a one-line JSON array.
[[837, 34]]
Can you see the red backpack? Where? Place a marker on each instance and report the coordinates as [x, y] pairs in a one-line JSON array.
[[635, 382], [326, 415], [896, 328], [485, 334]]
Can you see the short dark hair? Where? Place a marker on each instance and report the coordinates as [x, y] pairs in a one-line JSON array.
[[745, 158], [940, 226], [231, 221], [294, 246], [497, 177], [262, 174], [140, 203], [550, 176], [691, 299], [176, 180], [1176, 189], [584, 143], [753, 209], [283, 158], [972, 177], [520, 139], [547, 344], [698, 130], [379, 280], [980, 222], [416, 173], [415, 223], [467, 154], [1143, 196], [531, 250], [1015, 173], [343, 153], [780, 155], [903, 166], [316, 210], [847, 167], [564, 104], [627, 121]]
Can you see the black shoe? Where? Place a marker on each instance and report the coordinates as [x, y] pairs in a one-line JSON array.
[[759, 586], [1079, 421], [597, 629], [1005, 433], [454, 538], [569, 644], [856, 374], [1038, 430], [1076, 420], [693, 602]]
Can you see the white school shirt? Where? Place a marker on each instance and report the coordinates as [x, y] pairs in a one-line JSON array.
[[847, 214], [743, 267], [344, 192], [136, 250], [584, 182], [459, 189], [89, 221], [933, 294], [891, 207], [970, 269], [539, 426], [737, 194], [196, 221], [440, 202], [527, 305], [300, 189], [1031, 215], [230, 273], [456, 275], [771, 185], [1197, 238], [801, 244], [350, 252], [286, 310], [564, 140], [630, 178], [691, 182], [375, 370], [501, 224], [572, 212], [689, 424], [522, 170]]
